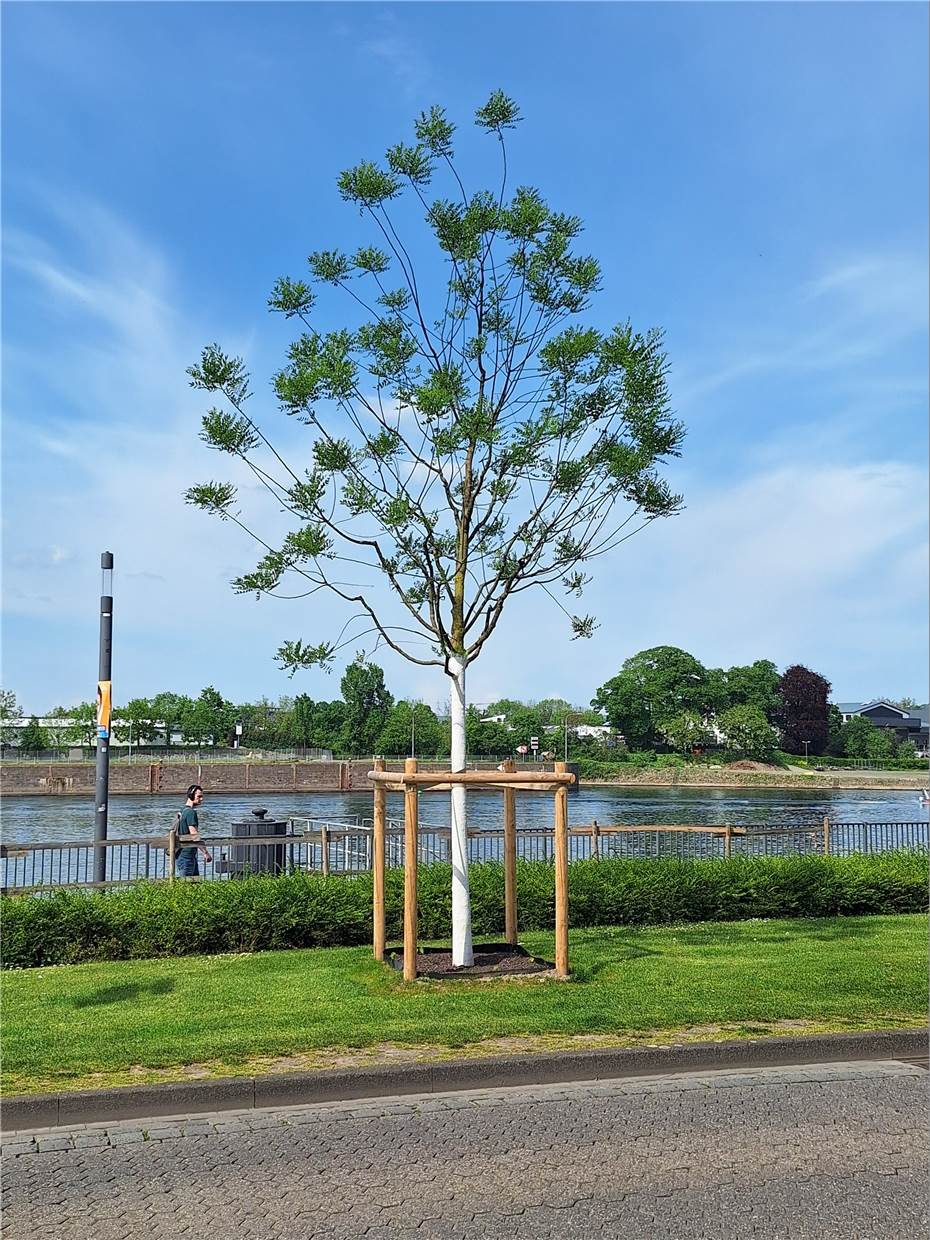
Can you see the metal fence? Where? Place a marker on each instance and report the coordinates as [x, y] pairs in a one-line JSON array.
[[344, 846]]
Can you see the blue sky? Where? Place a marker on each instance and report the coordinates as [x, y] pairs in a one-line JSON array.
[[752, 177]]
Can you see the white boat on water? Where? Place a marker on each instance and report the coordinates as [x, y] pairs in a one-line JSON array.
[[924, 797]]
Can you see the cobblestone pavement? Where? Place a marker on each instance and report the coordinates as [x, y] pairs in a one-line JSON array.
[[829, 1151]]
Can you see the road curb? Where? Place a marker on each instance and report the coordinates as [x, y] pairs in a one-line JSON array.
[[244, 1093]]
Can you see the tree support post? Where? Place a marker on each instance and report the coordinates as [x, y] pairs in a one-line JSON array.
[[561, 875], [410, 873], [826, 836], [510, 859], [377, 867]]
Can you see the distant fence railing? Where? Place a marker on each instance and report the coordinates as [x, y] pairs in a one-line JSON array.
[[340, 847]]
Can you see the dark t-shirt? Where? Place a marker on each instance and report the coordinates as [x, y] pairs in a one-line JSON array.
[[188, 819]]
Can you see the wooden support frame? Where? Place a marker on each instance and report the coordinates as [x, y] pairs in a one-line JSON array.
[[412, 782], [510, 859], [411, 822], [377, 866]]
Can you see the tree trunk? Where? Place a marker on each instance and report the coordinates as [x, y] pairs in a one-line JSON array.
[[461, 901]]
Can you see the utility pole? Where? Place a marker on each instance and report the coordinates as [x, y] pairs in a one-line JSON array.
[[104, 707]]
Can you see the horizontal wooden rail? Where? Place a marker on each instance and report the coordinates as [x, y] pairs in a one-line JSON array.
[[502, 779]]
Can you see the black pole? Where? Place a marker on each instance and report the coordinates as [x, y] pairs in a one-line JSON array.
[[104, 707]]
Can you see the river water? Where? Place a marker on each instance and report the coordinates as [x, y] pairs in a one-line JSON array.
[[48, 819]]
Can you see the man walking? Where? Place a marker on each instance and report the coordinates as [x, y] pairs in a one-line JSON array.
[[189, 824]]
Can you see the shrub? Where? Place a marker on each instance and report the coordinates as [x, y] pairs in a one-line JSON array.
[[307, 910]]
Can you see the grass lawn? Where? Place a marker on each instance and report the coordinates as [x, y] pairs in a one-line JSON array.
[[80, 1026]]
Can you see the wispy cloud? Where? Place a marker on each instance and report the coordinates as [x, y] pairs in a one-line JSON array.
[[850, 314]]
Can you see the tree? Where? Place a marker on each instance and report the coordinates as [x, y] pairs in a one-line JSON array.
[[169, 709], [208, 719], [834, 730], [754, 685], [83, 728], [687, 731], [412, 728], [58, 726], [862, 739], [802, 713], [135, 722], [651, 688], [487, 739], [33, 738], [367, 702], [470, 441], [10, 716], [746, 729]]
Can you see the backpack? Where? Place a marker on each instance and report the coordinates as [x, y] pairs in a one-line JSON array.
[[175, 833]]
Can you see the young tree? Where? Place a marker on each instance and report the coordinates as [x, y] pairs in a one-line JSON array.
[[803, 714], [58, 726], [470, 441], [33, 738], [746, 729], [10, 716]]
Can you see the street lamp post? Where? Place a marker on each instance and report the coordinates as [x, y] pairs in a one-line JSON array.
[[104, 704]]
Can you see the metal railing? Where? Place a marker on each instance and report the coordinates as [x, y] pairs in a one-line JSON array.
[[345, 847]]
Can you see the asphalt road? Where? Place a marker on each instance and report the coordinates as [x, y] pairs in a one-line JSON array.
[[831, 1151]]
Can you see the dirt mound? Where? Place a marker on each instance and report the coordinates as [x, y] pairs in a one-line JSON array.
[[746, 765]]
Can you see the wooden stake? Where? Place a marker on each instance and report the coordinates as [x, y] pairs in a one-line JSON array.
[[510, 860], [595, 841], [410, 874], [826, 836], [377, 867], [728, 843], [561, 877]]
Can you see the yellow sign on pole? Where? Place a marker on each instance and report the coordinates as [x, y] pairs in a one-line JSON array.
[[104, 695]]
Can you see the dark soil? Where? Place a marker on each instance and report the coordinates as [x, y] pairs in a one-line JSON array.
[[491, 960]]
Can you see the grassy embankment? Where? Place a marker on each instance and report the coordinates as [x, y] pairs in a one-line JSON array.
[[118, 1023]]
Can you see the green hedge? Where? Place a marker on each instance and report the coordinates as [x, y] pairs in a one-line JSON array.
[[307, 910]]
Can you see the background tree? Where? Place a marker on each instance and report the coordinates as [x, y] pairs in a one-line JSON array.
[[860, 738], [834, 730], [488, 739], [33, 738], [412, 728], [754, 685], [83, 728], [746, 729], [169, 709], [10, 716], [208, 719], [135, 722], [470, 442], [367, 703], [687, 731], [58, 726], [802, 713], [651, 688]]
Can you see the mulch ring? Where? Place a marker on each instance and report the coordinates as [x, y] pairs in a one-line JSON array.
[[491, 960]]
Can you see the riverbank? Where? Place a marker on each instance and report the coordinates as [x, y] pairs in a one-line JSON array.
[[794, 778], [172, 778]]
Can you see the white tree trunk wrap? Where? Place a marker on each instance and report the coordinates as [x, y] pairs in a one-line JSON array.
[[461, 901]]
